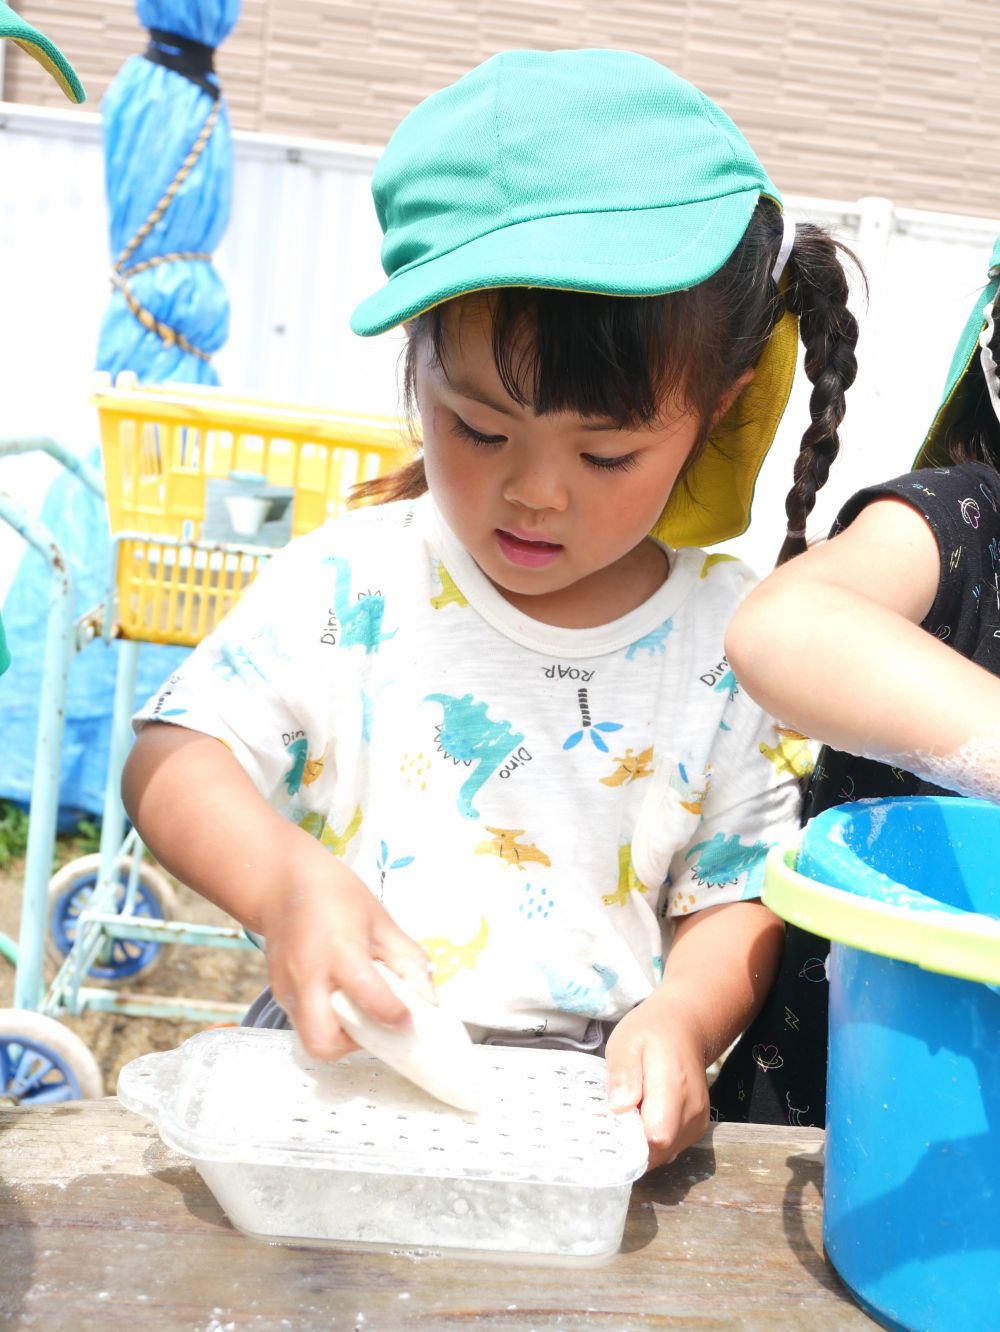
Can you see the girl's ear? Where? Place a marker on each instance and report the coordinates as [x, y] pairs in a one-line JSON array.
[[731, 394]]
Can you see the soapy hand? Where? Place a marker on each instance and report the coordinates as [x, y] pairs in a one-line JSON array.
[[656, 1064], [324, 932]]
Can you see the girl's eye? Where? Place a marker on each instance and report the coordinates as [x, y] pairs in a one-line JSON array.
[[465, 431], [619, 464]]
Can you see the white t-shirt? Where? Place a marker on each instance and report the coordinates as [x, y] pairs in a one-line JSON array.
[[532, 804]]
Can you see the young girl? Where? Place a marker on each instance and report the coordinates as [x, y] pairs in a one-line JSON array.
[[885, 643], [486, 732]]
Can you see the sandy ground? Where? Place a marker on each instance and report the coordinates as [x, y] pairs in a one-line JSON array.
[[235, 976]]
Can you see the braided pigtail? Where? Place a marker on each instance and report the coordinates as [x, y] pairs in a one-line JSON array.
[[817, 293]]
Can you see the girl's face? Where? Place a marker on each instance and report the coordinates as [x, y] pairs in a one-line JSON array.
[[554, 509]]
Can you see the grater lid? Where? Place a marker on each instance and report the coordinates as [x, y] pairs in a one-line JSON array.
[[253, 1095]]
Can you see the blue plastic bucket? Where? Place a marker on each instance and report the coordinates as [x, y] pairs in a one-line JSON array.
[[908, 891]]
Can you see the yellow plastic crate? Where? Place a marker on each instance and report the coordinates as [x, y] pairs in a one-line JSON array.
[[177, 461]]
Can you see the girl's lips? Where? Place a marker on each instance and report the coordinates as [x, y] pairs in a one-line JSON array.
[[525, 552]]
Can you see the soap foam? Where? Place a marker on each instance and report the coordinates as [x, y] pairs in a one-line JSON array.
[[973, 769]]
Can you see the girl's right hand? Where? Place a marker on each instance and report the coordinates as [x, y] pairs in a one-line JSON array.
[[204, 820], [324, 929]]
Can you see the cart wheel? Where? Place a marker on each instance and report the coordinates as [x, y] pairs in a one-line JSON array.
[[70, 891], [41, 1061]]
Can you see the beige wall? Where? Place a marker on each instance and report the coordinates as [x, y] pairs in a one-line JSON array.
[[841, 98]]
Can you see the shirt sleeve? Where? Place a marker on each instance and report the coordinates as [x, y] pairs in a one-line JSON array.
[[752, 800], [961, 505], [237, 685]]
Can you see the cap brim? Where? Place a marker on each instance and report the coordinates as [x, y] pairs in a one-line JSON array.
[[38, 46], [558, 252], [713, 501], [934, 451]]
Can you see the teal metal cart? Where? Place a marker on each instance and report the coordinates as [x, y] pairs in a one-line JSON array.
[[178, 470]]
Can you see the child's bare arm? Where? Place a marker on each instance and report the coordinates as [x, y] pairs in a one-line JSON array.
[[203, 819], [720, 965], [831, 643]]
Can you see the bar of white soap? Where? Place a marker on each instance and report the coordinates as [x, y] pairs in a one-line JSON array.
[[436, 1052]]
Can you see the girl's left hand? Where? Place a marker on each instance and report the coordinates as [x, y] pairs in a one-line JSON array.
[[658, 1066]]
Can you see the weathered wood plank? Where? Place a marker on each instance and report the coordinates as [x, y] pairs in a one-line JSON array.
[[102, 1227]]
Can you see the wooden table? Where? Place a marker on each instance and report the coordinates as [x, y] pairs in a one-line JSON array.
[[103, 1227]]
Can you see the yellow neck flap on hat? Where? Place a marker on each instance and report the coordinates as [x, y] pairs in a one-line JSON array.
[[712, 502]]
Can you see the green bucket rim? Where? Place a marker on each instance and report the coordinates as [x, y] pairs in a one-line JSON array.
[[961, 944]]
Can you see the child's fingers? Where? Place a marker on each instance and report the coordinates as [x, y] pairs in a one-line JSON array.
[[417, 972], [316, 1024], [672, 1104], [674, 1113], [624, 1066], [354, 972], [407, 959], [661, 1113]]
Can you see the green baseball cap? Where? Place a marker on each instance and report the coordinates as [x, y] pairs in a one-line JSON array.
[[598, 171], [589, 170], [44, 51], [964, 370]]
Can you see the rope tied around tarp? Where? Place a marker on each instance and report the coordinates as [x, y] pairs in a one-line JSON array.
[[164, 331], [168, 335]]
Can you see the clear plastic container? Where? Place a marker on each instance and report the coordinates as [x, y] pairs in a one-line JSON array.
[[301, 1151]]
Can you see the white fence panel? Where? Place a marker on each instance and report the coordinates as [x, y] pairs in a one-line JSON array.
[[302, 249]]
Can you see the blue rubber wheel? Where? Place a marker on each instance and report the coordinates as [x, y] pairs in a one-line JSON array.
[[70, 893], [42, 1062]]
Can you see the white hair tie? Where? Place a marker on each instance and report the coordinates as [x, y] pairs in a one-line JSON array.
[[986, 360], [785, 249]]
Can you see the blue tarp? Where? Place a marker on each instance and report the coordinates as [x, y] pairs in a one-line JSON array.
[[79, 518], [152, 116]]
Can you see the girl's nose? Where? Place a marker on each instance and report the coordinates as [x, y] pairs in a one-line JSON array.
[[536, 486]]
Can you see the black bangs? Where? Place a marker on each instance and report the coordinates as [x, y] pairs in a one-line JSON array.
[[601, 357], [596, 356]]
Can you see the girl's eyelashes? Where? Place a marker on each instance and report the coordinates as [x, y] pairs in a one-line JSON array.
[[464, 431], [620, 464]]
